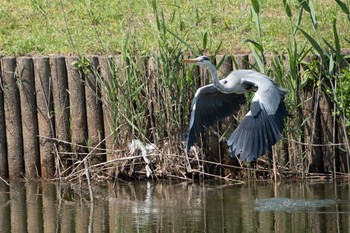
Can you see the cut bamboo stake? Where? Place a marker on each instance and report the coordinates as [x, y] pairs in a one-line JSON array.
[[12, 118], [29, 117], [43, 87]]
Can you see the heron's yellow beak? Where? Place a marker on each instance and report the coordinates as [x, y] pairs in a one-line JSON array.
[[189, 60]]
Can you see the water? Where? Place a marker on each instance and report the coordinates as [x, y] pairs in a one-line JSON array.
[[176, 207]]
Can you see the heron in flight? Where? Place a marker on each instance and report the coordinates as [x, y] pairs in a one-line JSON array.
[[262, 126]]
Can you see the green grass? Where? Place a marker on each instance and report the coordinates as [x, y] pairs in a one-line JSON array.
[[99, 27]]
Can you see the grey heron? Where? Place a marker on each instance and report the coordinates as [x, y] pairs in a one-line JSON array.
[[262, 126]]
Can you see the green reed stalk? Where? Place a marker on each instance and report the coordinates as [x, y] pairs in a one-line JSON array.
[[256, 46]]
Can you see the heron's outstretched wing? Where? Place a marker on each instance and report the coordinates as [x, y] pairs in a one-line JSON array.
[[262, 126], [209, 106]]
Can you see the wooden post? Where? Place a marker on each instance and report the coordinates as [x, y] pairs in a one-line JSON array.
[[228, 125], [5, 210], [18, 205], [152, 90], [34, 208], [107, 65], [12, 118], [50, 203], [82, 218], [3, 150], [43, 87], [311, 95], [326, 133], [61, 106], [77, 107], [29, 117], [241, 61], [94, 111], [67, 220], [211, 140], [100, 212]]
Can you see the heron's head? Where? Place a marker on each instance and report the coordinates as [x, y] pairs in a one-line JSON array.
[[202, 61]]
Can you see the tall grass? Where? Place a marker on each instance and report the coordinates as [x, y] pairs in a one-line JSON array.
[[319, 75], [150, 96]]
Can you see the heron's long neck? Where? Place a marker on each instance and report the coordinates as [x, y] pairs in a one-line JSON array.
[[214, 76]]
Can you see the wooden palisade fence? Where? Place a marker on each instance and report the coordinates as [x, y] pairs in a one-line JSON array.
[[53, 113]]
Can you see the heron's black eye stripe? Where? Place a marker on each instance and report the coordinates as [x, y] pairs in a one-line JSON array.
[[205, 59]]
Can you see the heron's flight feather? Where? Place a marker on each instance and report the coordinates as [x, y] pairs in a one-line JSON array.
[[262, 126], [209, 106]]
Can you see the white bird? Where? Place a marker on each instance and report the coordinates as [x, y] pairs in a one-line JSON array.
[[262, 126]]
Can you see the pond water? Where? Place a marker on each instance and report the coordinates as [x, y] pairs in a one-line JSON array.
[[159, 206]]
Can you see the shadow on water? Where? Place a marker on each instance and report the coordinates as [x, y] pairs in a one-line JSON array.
[[175, 207]]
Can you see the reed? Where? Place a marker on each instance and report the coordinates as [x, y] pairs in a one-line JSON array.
[[313, 85], [146, 96], [149, 96]]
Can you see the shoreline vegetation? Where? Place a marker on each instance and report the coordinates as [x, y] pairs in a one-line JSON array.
[[145, 94]]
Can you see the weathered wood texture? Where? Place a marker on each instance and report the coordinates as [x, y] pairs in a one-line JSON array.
[[25, 71], [57, 110], [61, 107], [44, 103], [107, 72], [13, 120], [94, 112], [77, 107]]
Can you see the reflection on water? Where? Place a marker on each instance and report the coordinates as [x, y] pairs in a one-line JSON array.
[[175, 207], [288, 204]]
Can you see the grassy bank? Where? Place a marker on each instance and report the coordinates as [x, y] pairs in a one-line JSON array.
[[99, 27]]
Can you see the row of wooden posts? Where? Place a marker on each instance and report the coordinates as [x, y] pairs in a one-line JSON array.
[[45, 98], [48, 108], [46, 104]]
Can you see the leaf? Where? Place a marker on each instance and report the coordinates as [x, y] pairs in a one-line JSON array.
[[258, 58], [343, 7], [305, 79], [336, 36], [256, 20], [300, 16], [287, 8], [183, 41], [258, 46], [304, 4], [331, 67], [313, 14], [255, 4], [163, 24], [205, 40], [313, 43], [336, 52], [221, 61], [218, 48]]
